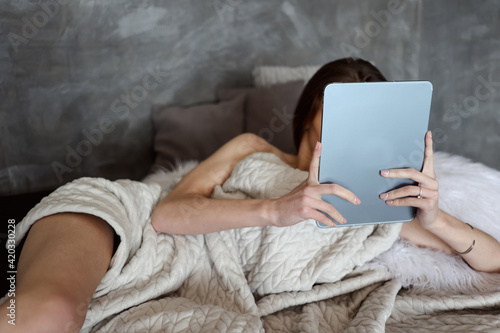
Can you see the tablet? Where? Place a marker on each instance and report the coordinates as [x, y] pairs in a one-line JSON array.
[[367, 127]]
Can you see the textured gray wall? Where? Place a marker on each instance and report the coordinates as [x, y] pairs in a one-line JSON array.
[[460, 54], [80, 69]]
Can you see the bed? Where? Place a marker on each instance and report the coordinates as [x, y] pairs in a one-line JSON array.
[[297, 279]]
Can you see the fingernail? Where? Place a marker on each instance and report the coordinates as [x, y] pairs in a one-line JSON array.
[[384, 172], [430, 134], [356, 200], [344, 220], [316, 146], [389, 202], [384, 196]]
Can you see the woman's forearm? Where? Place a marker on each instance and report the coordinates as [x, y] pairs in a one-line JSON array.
[[195, 214], [485, 255]]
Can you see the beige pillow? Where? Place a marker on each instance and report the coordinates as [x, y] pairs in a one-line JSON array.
[[265, 76]]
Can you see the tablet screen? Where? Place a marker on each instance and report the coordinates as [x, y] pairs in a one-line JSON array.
[[367, 127]]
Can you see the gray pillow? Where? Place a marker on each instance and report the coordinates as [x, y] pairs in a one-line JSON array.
[[269, 111], [194, 133]]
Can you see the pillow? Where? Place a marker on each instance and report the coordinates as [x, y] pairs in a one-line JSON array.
[[265, 76], [269, 111], [194, 133]]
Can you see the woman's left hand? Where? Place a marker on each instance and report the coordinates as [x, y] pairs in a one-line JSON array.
[[425, 195]]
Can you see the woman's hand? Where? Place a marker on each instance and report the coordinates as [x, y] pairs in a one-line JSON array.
[[428, 188], [305, 202]]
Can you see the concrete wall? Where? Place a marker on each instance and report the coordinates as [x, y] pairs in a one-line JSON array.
[[80, 77]]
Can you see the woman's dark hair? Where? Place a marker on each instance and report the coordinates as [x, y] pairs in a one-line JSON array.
[[342, 70]]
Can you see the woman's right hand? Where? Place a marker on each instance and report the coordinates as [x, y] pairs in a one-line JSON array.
[[305, 202]]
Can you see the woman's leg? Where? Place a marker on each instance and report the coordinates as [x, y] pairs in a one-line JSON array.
[[63, 260], [413, 232]]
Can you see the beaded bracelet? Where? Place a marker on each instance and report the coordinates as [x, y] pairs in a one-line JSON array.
[[470, 247]]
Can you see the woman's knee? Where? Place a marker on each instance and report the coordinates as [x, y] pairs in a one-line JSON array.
[[66, 245], [61, 265], [45, 311], [59, 313]]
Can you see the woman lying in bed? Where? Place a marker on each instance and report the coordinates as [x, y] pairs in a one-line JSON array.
[[66, 255]]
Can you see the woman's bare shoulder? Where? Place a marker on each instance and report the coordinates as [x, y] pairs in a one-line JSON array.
[[235, 150], [243, 145], [248, 143], [218, 167]]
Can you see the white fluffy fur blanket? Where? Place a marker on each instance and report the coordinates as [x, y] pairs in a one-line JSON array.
[[470, 192], [300, 278]]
